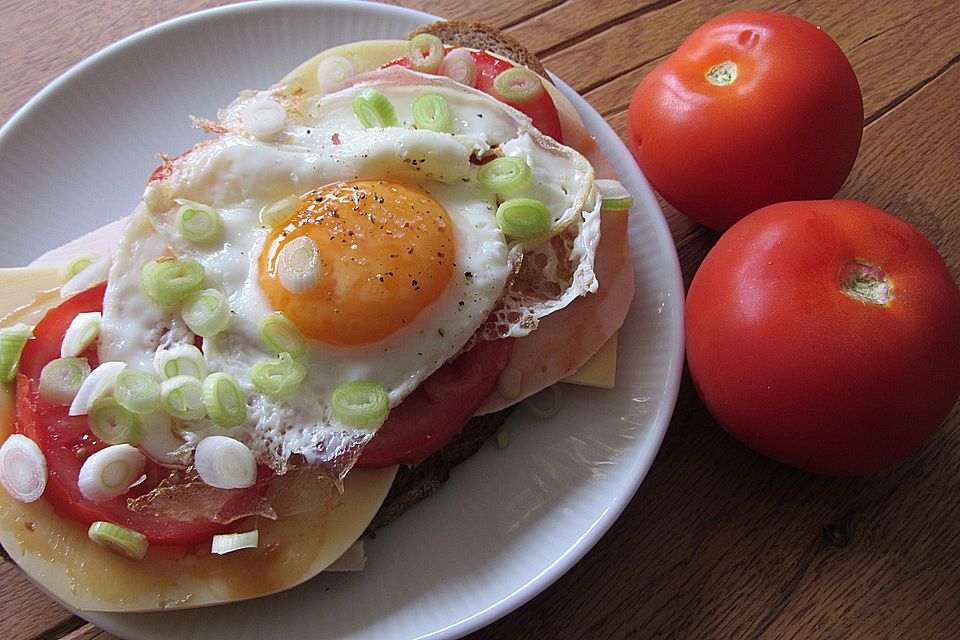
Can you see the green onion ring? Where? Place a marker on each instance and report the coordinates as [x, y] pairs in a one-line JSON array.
[[524, 219], [505, 175], [373, 109], [361, 404]]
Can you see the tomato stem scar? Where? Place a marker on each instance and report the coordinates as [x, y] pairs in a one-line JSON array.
[[865, 282], [722, 74]]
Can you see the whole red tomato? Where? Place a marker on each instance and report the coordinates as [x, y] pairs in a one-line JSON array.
[[753, 108], [826, 335]]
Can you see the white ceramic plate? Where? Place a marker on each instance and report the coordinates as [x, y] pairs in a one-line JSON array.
[[508, 523]]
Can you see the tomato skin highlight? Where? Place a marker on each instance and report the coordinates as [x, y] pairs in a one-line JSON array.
[[802, 372], [788, 127]]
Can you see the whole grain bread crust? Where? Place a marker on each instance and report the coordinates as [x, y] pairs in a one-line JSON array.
[[478, 35]]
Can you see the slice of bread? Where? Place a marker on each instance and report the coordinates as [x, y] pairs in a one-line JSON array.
[[477, 35]]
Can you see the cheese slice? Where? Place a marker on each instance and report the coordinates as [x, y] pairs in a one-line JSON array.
[[600, 370]]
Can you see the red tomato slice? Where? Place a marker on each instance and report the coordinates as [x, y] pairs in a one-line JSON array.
[[66, 442], [541, 110], [438, 408]]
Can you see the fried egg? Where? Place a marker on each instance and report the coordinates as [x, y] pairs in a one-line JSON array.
[[412, 263]]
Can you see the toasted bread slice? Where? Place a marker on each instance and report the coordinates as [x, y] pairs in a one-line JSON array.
[[478, 35]]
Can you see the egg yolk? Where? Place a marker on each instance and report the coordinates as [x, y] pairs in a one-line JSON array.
[[386, 253]]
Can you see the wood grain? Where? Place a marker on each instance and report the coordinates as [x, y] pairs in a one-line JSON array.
[[718, 542]]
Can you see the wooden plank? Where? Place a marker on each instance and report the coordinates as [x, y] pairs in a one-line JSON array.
[[866, 32], [25, 609], [89, 632]]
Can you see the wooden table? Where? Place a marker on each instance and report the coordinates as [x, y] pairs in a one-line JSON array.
[[718, 542]]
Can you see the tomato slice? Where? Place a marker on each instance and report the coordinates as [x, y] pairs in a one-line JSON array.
[[541, 110], [438, 408], [66, 442]]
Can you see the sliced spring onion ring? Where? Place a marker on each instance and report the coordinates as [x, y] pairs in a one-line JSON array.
[[198, 223], [615, 195], [120, 540], [459, 66], [278, 377], [518, 85], [167, 281], [361, 404], [225, 463], [94, 274], [180, 360], [298, 265], [76, 265], [137, 391], [206, 312], [12, 341], [505, 175], [224, 400], [182, 397], [273, 214], [280, 334], [545, 404], [432, 111], [227, 542], [503, 440], [60, 380], [100, 380], [23, 468], [524, 219], [82, 331], [425, 53], [264, 119], [509, 383], [373, 109], [333, 72], [110, 472], [113, 424]]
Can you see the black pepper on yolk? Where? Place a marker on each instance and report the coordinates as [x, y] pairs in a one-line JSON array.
[[386, 254]]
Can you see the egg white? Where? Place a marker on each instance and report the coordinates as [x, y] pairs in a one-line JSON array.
[[322, 142]]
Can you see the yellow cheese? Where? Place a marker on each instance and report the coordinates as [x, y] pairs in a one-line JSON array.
[[23, 290], [600, 370]]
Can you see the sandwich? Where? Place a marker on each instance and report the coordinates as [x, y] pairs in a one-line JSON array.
[[307, 320]]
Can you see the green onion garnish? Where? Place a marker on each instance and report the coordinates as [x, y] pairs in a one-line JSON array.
[[120, 540], [273, 214], [180, 360], [458, 65], [12, 341], [82, 331], [432, 111], [425, 52], [615, 196], [361, 404], [227, 542], [225, 463], [206, 312], [503, 440], [279, 334], [97, 384], [505, 175], [167, 281], [137, 391], [60, 380], [182, 397], [373, 109], [110, 472], [224, 400], [545, 404], [76, 265], [518, 85], [277, 377], [23, 468], [113, 424], [198, 223], [524, 219], [298, 265]]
